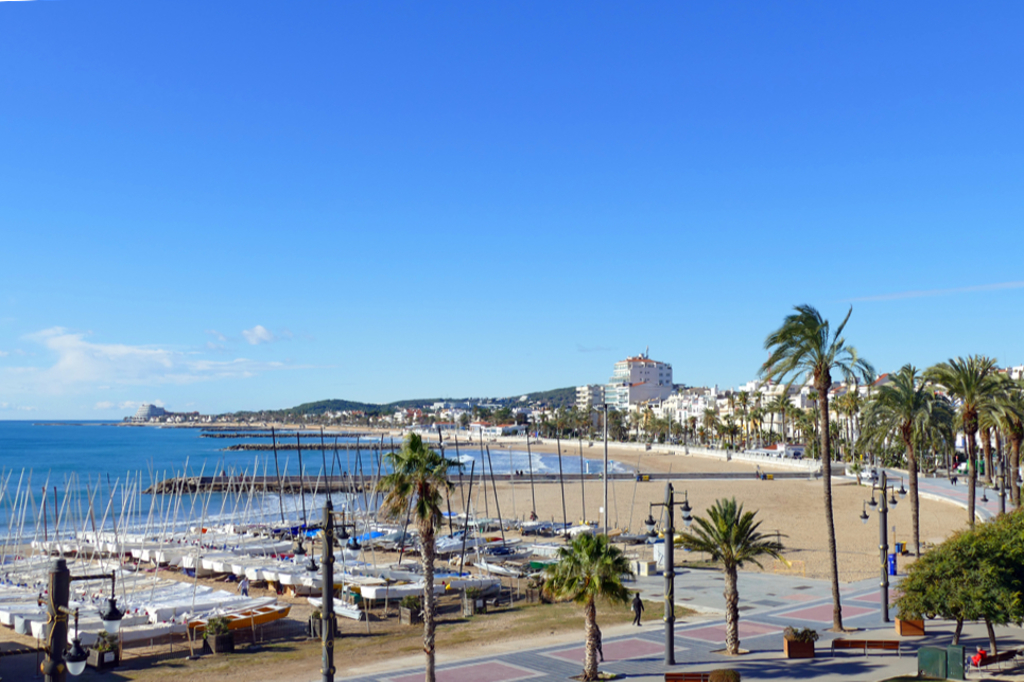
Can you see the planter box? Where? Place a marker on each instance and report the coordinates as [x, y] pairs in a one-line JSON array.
[[798, 649], [409, 616], [532, 595], [220, 644], [104, 660], [473, 606], [910, 628], [646, 568]]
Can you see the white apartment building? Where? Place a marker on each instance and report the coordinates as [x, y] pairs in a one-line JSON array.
[[690, 402], [638, 379], [589, 396]]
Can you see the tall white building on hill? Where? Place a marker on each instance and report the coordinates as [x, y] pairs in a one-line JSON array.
[[638, 379], [589, 396]]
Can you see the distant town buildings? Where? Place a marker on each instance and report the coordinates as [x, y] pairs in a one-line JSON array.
[[636, 380], [147, 412], [590, 396]]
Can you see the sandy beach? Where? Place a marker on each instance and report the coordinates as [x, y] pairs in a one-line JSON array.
[[792, 507]]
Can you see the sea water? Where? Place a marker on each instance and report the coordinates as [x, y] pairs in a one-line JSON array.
[[98, 469]]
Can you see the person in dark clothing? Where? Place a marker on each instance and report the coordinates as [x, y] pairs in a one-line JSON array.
[[600, 650], [638, 608]]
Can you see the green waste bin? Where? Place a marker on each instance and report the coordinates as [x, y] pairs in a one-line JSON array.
[[931, 662], [955, 658]]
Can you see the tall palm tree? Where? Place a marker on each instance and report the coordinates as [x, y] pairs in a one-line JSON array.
[[805, 347], [730, 536], [1011, 419], [418, 477], [589, 569], [906, 407], [779, 405], [743, 399], [975, 383], [710, 416]]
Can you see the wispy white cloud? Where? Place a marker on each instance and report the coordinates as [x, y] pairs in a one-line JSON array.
[[103, 405], [82, 365], [4, 353], [922, 293], [217, 335], [16, 407], [580, 348], [258, 334]]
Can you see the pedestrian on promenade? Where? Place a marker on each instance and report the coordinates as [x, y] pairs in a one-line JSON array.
[[600, 650], [243, 586], [638, 608]]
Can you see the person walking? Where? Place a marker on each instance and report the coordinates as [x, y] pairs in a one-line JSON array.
[[600, 649], [243, 586], [638, 608]]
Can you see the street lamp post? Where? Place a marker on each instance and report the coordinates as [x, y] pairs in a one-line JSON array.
[[327, 586], [604, 410], [670, 575], [56, 665], [883, 536]]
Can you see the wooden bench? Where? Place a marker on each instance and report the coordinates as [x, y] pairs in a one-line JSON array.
[[1000, 658], [687, 677], [867, 644]]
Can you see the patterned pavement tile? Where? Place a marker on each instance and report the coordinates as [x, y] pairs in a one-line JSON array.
[[822, 613], [620, 650], [716, 633], [489, 671]]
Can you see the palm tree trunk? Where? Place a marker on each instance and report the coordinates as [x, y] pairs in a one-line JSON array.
[[915, 506], [732, 613], [986, 447], [590, 657], [972, 478], [427, 551], [1014, 468], [822, 385]]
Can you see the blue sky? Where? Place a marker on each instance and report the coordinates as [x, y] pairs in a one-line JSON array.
[[231, 205]]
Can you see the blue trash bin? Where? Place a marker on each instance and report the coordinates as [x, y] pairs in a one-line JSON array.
[[892, 564]]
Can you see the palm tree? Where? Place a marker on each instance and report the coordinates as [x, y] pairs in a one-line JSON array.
[[779, 404], [743, 398], [418, 477], [804, 347], [589, 569], [730, 536], [905, 406], [1011, 419], [710, 416], [974, 381]]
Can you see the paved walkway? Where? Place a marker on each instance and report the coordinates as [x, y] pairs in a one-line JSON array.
[[769, 603]]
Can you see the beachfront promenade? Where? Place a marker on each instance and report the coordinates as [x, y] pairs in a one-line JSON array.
[[768, 603]]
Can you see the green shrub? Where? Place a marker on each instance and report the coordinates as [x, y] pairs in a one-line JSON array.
[[218, 625], [804, 635], [413, 602], [105, 642], [724, 676]]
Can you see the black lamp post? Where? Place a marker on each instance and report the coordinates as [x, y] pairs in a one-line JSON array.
[[327, 587], [56, 665], [883, 536], [603, 409], [670, 576]]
